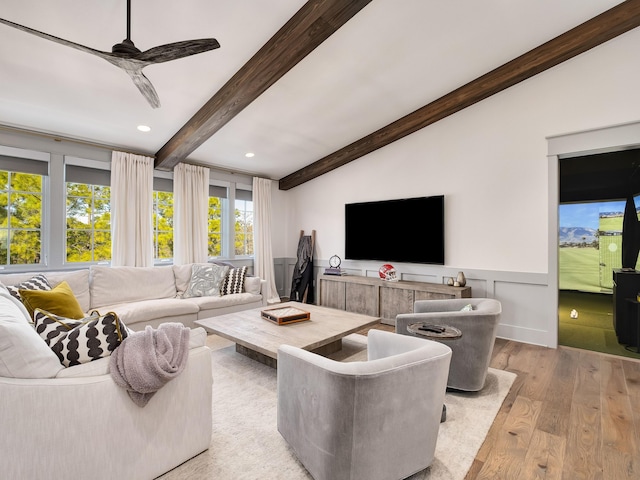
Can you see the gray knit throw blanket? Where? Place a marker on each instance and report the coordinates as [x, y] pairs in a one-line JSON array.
[[145, 361]]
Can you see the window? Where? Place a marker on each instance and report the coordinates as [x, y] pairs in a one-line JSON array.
[[215, 227], [244, 223], [55, 211], [162, 219], [20, 218], [217, 203], [88, 215]]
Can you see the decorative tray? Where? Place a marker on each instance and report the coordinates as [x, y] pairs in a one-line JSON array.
[[285, 315]]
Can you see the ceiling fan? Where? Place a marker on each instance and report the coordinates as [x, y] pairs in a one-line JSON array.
[[126, 56]]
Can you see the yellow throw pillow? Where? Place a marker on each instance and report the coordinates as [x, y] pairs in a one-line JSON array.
[[59, 301]]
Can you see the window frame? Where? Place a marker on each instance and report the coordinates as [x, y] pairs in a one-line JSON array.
[[246, 197], [56, 154], [162, 182], [92, 173], [22, 161]]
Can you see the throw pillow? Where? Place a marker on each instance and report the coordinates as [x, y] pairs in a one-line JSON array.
[[23, 354], [50, 326], [234, 281], [467, 308], [37, 282], [252, 285], [94, 337], [205, 280], [59, 301]]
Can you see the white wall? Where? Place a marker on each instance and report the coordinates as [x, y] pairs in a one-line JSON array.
[[490, 162]]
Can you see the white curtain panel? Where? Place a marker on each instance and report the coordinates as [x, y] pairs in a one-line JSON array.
[[263, 253], [131, 210], [190, 217]]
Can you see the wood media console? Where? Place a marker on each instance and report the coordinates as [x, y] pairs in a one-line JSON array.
[[379, 298]]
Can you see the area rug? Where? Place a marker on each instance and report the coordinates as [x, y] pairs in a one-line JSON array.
[[246, 445]]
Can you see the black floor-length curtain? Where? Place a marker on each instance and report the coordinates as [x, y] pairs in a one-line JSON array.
[[630, 235]]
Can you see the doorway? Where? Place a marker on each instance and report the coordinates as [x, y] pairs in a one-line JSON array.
[[591, 206]]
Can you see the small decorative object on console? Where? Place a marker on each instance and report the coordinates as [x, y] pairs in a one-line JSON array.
[[334, 266], [388, 272], [461, 280], [285, 315]]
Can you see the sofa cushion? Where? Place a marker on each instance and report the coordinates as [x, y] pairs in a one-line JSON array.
[[81, 342], [234, 281], [90, 369], [111, 285], [59, 300], [205, 280], [147, 310], [37, 282], [252, 285], [23, 354], [208, 303], [182, 274], [78, 280], [197, 338]]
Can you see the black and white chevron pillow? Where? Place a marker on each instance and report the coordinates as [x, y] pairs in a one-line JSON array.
[[37, 282], [234, 281], [81, 341]]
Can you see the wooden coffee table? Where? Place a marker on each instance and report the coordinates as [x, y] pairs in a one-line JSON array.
[[259, 339]]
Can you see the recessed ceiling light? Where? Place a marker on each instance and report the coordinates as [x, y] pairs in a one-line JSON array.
[[144, 128], [249, 154]]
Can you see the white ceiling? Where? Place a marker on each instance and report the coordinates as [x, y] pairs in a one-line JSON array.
[[389, 60]]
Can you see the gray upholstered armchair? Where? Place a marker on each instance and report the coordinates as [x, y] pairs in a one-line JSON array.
[[472, 352], [370, 420]]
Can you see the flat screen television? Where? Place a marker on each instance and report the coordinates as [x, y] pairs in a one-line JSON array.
[[407, 230]]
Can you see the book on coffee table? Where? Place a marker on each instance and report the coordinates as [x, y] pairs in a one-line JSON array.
[[285, 315]]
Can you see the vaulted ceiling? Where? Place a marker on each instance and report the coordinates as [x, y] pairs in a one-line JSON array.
[[305, 86]]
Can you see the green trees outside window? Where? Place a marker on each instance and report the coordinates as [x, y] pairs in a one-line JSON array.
[[88, 223], [244, 227], [20, 218], [163, 225], [214, 220]]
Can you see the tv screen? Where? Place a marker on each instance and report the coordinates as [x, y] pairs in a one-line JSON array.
[[405, 230]]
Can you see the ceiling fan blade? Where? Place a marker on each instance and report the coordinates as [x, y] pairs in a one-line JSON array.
[[61, 41], [145, 87], [173, 51]]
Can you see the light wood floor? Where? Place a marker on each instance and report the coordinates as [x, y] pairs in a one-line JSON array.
[[571, 414]]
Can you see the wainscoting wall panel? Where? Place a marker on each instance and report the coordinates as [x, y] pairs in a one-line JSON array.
[[525, 297]]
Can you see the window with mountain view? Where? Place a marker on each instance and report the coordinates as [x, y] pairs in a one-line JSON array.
[[590, 245]]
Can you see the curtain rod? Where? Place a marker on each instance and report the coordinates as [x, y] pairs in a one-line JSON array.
[[62, 138]]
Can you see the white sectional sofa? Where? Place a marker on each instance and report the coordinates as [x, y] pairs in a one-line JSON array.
[[76, 422], [143, 296]]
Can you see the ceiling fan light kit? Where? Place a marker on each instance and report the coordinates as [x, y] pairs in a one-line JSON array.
[[128, 57]]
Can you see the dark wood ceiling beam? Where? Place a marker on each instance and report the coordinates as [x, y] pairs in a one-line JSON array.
[[600, 29], [316, 21]]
